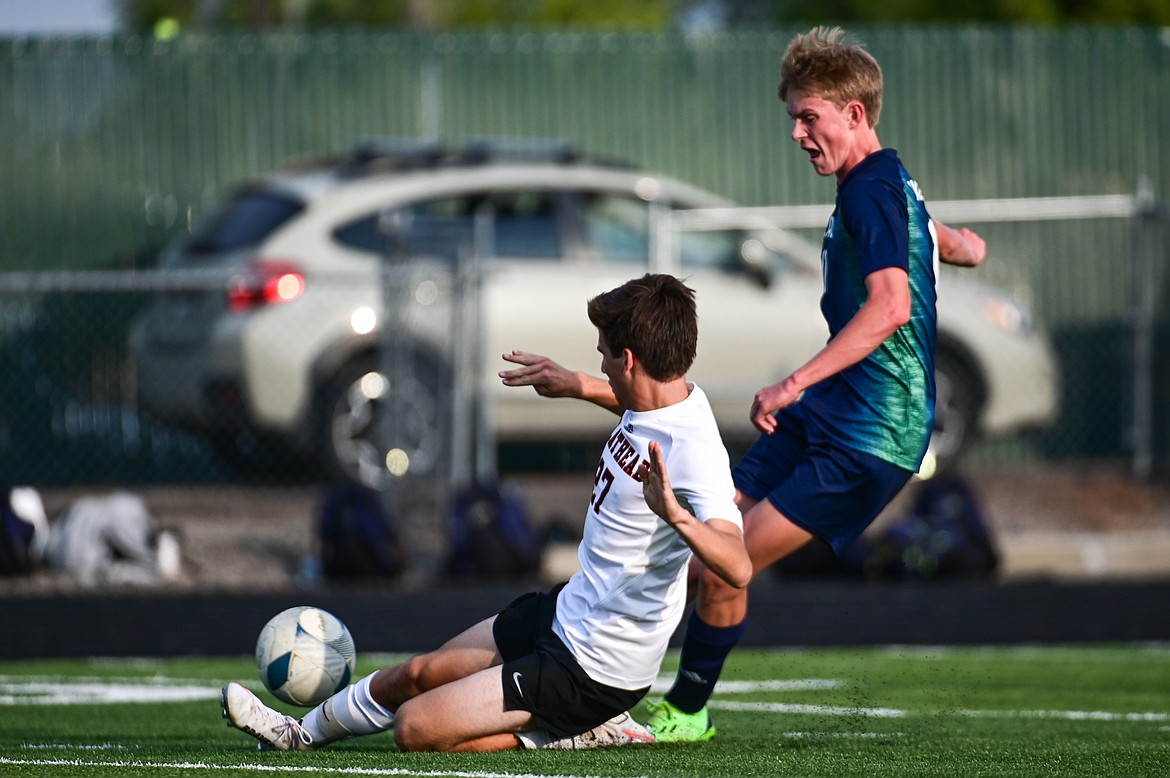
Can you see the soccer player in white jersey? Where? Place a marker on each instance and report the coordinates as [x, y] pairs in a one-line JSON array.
[[560, 669]]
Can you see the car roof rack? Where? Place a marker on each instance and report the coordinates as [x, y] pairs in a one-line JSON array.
[[478, 149], [374, 154], [370, 154]]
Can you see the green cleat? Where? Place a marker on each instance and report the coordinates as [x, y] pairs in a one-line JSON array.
[[671, 725]]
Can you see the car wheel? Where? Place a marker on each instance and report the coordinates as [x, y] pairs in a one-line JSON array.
[[955, 412], [375, 427]]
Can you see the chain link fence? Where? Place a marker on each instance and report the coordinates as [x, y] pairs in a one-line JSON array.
[[152, 377], [115, 146]]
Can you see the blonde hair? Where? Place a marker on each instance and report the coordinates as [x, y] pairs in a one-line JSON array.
[[820, 63]]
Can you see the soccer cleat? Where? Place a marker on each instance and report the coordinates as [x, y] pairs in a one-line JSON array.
[[273, 729], [621, 730], [671, 725]]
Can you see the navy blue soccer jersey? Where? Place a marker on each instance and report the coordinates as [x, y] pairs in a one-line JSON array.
[[884, 404]]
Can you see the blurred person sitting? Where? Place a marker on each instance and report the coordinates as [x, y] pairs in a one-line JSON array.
[[110, 540]]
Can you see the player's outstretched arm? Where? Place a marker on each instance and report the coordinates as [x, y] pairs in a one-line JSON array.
[[885, 310], [962, 246], [718, 543], [550, 379]]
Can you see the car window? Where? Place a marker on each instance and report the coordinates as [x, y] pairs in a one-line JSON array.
[[432, 227], [524, 224], [438, 227], [617, 227], [735, 252], [517, 224], [710, 248], [363, 234], [248, 217]]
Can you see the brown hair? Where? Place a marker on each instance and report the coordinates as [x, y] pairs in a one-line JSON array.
[[819, 63], [653, 316]]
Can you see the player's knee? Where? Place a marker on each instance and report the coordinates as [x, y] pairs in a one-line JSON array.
[[406, 735], [411, 732], [713, 589], [418, 675]]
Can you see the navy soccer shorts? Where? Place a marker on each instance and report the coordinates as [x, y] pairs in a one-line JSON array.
[[832, 491]]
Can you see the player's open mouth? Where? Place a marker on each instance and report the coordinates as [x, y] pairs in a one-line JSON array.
[[812, 153]]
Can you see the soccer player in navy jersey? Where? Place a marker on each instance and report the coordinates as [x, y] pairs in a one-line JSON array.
[[845, 432]]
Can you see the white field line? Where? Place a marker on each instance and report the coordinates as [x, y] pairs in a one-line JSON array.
[[68, 692], [269, 768], [817, 710], [744, 687], [73, 747], [1151, 650], [140, 680], [860, 735], [44, 692], [1069, 715], [663, 683], [894, 713]]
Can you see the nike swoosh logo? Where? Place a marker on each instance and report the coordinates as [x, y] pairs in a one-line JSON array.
[[638, 737], [516, 680]]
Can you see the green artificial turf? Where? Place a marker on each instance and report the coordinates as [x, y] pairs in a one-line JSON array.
[[905, 711]]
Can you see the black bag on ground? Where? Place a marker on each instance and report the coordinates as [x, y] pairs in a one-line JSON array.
[[491, 536], [944, 536], [356, 534]]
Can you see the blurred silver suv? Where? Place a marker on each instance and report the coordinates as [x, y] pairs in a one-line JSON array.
[[315, 270]]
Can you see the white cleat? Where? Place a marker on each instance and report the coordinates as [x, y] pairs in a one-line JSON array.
[[273, 729], [621, 730]]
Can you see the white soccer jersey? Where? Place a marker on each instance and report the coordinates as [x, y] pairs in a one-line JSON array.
[[617, 614]]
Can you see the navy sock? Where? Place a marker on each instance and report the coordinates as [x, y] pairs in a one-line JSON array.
[[704, 650]]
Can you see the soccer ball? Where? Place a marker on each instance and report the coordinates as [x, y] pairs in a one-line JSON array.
[[304, 655]]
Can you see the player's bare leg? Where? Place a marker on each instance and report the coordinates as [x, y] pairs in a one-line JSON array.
[[463, 715], [717, 624], [369, 706], [769, 537], [472, 650]]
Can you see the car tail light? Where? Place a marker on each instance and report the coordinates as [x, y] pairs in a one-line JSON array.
[[264, 283]]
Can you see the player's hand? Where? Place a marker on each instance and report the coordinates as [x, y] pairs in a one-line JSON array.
[[656, 484], [976, 245], [547, 377], [960, 246], [769, 400]]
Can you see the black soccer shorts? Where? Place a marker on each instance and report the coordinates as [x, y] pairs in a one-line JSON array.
[[541, 676]]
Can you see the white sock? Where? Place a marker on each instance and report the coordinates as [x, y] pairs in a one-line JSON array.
[[350, 712], [534, 738]]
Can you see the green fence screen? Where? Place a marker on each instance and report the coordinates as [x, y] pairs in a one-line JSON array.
[[111, 146]]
